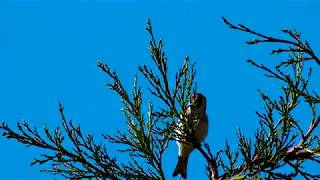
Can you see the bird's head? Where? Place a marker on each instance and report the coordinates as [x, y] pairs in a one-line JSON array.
[[198, 103]]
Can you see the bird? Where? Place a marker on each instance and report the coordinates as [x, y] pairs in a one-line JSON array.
[[197, 120]]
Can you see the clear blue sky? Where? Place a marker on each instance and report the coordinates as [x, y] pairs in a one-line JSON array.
[[49, 49]]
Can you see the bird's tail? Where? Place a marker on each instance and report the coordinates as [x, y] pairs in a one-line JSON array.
[[181, 167]]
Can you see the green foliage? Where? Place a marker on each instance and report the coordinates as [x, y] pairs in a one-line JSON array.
[[280, 141]]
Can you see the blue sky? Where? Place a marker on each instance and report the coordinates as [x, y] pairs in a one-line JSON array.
[[49, 49]]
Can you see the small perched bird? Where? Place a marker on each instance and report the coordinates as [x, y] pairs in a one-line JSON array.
[[197, 121]]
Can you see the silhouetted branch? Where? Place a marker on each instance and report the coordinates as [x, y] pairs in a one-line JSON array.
[[84, 159], [280, 141]]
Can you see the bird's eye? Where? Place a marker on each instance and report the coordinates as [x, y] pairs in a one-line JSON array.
[[198, 102]]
